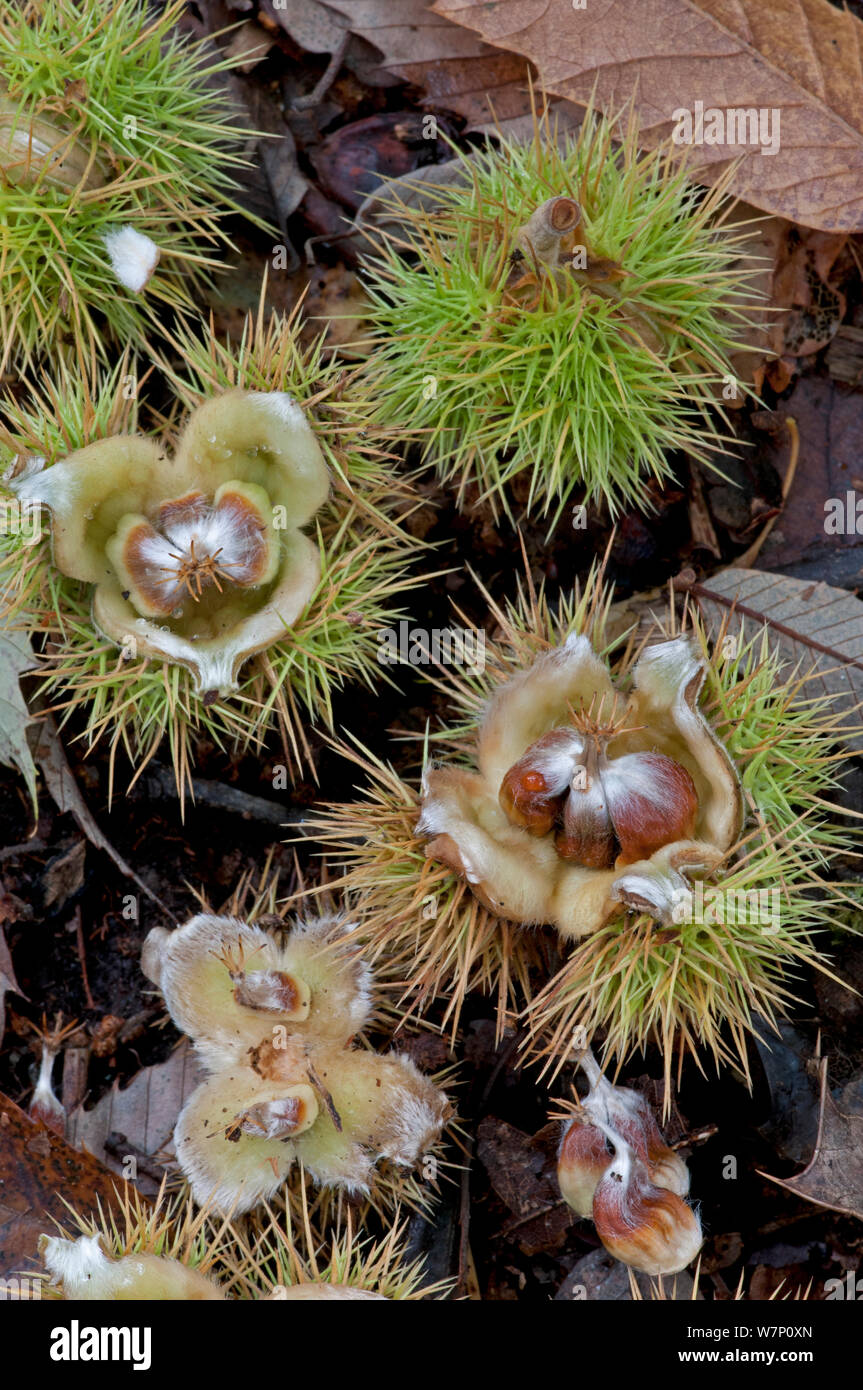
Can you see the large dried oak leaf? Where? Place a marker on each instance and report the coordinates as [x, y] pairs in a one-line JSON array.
[[801, 57]]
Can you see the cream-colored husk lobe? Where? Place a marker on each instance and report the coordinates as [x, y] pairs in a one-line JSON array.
[[86, 1272]]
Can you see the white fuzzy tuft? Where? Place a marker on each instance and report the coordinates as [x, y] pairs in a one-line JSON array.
[[283, 406], [43, 1102], [638, 777], [329, 928], [666, 895], [557, 762], [74, 1262], [213, 666], [134, 257], [671, 664]]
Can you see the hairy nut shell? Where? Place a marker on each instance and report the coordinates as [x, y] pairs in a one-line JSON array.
[[533, 791], [647, 1227], [652, 802], [583, 1158]]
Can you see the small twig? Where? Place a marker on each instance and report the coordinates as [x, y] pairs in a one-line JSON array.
[[135, 1026], [687, 583], [160, 784], [79, 938], [28, 847], [325, 1095], [322, 86], [696, 1136]]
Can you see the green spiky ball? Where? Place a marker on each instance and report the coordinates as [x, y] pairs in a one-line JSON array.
[[692, 990], [173, 1251], [581, 369], [109, 119]]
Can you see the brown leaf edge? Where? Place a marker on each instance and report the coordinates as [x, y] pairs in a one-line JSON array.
[[792, 1185]]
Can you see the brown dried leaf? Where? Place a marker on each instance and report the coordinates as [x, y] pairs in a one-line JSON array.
[[144, 1113], [800, 57], [38, 1170], [834, 1176], [815, 625], [700, 523], [380, 214], [311, 24], [803, 286], [278, 156], [829, 421], [64, 875], [759, 256], [845, 355], [456, 71], [522, 1170], [16, 657], [250, 43], [319, 28]]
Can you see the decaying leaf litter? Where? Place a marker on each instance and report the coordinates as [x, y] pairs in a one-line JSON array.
[[343, 92]]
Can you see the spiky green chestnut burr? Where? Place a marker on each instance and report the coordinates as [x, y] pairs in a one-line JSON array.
[[561, 794], [171, 1252], [143, 668], [118, 161], [565, 311]]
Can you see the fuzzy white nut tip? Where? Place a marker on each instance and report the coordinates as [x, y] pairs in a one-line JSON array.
[[134, 257]]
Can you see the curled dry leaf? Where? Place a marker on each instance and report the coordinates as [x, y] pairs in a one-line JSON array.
[[794, 64], [8, 983], [381, 213], [834, 1176], [310, 24], [521, 1169], [805, 285], [278, 155], [816, 536], [60, 781], [319, 28]]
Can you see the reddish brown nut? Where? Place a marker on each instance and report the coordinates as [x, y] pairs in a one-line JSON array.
[[273, 991], [652, 802], [647, 1227], [587, 836], [583, 1158], [534, 789]]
